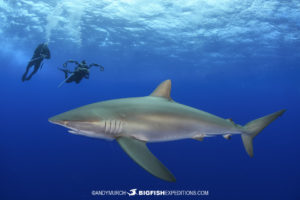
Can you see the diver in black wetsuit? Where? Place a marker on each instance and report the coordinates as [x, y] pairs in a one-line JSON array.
[[40, 53], [81, 71]]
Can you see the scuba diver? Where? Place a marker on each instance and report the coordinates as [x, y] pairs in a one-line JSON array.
[[81, 71], [40, 53]]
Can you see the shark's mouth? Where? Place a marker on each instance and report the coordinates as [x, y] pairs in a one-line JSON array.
[[90, 134], [79, 132], [74, 131], [65, 124]]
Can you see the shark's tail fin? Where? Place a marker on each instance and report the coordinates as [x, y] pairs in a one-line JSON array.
[[254, 127]]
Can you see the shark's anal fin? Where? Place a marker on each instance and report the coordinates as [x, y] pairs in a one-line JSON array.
[[139, 152], [227, 136]]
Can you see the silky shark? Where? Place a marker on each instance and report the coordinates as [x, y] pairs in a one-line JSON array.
[[133, 122]]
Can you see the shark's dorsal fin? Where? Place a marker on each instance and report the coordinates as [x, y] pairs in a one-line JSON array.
[[163, 90]]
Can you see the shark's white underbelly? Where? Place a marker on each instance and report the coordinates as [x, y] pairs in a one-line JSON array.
[[159, 129]]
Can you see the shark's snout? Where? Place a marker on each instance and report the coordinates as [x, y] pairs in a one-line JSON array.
[[56, 120], [65, 118], [77, 119]]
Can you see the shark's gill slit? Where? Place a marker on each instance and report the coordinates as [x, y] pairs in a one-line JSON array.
[[104, 127], [119, 126], [109, 127], [112, 127], [115, 129]]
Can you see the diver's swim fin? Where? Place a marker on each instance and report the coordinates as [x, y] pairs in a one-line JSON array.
[[65, 80], [41, 66], [138, 151]]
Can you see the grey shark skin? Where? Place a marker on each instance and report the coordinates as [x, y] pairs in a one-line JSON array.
[[156, 118]]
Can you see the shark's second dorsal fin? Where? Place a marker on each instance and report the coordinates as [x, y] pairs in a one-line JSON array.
[[163, 90]]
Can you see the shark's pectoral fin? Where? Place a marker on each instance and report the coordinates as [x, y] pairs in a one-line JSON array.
[[139, 152]]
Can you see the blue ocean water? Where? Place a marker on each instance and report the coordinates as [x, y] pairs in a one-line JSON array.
[[235, 59]]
